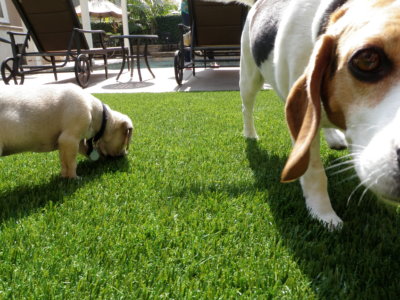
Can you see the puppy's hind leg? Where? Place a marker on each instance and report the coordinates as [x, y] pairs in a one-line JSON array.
[[68, 146]]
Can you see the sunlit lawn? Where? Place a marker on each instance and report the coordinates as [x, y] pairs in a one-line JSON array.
[[194, 211]]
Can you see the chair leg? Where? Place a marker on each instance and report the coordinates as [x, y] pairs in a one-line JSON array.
[[105, 65], [91, 62], [53, 63], [193, 57], [128, 61]]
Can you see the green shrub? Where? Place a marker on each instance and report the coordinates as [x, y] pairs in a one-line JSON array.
[[116, 28], [166, 25], [169, 24]]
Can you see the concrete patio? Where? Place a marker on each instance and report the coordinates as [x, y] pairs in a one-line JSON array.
[[219, 79]]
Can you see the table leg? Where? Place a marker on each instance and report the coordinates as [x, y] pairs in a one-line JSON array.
[[123, 61], [138, 58], [131, 57], [132, 65], [146, 61]]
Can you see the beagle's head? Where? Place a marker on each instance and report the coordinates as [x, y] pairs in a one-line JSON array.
[[354, 75]]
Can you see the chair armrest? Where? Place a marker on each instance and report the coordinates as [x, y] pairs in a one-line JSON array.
[[183, 28], [16, 48], [12, 35], [101, 33], [5, 41], [17, 33], [90, 31]]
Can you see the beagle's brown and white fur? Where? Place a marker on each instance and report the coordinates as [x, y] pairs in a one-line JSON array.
[[64, 118], [337, 65]]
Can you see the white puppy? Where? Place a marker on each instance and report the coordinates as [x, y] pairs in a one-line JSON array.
[[63, 117], [337, 65]]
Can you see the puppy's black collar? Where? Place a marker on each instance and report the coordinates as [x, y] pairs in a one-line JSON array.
[[99, 134]]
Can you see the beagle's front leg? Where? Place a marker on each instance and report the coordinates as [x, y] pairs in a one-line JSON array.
[[315, 189]]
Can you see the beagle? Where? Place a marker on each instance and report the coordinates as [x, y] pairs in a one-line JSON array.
[[337, 65], [63, 117]]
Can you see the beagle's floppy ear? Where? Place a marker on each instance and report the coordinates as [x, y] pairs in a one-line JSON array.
[[303, 108]]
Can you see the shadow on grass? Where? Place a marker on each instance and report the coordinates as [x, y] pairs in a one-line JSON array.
[[24, 200], [361, 261]]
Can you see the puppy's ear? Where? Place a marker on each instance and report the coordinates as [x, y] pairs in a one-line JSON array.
[[303, 109], [127, 130]]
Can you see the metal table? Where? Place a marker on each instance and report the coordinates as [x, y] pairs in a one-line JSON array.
[[135, 39]]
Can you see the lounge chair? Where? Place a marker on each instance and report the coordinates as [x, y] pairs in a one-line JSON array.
[[54, 27], [214, 36]]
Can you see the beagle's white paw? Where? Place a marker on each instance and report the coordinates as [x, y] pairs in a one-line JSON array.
[[320, 208], [250, 132], [251, 136], [330, 220]]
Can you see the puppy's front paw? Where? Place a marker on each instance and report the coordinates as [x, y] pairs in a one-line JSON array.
[[69, 176], [68, 173]]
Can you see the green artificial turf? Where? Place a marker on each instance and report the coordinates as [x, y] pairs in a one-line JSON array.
[[194, 211]]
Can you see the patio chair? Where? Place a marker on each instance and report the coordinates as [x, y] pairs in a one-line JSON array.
[[54, 27], [214, 35]]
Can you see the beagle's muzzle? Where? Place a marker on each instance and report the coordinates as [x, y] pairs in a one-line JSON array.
[[337, 65]]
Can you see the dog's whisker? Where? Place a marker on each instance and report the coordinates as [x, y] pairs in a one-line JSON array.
[[341, 158], [347, 162], [364, 126], [347, 179], [356, 148], [342, 170], [365, 181], [357, 145], [354, 190], [367, 188], [363, 194]]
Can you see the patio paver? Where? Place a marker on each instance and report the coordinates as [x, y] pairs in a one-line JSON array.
[[221, 79]]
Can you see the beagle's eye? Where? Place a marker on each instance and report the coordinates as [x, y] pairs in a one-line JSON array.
[[370, 64], [367, 61]]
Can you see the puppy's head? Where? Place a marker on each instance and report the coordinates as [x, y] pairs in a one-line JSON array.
[[354, 74], [117, 135]]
